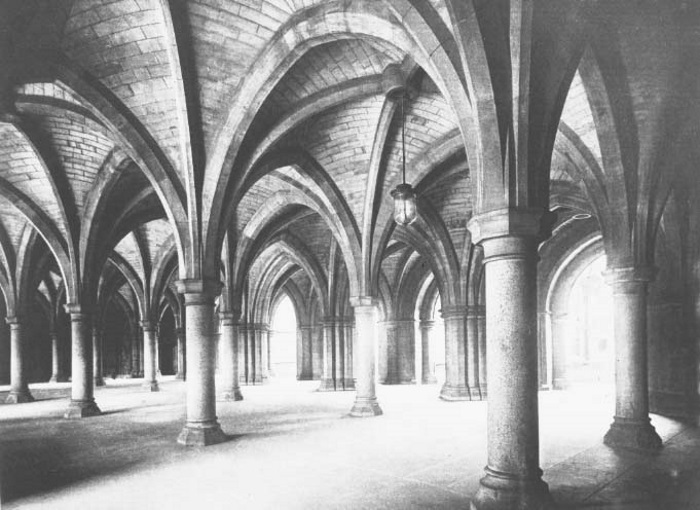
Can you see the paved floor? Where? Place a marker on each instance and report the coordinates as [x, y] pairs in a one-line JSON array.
[[293, 448]]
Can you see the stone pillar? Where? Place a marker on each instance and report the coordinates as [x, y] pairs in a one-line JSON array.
[[135, 355], [406, 343], [156, 342], [483, 365], [82, 402], [150, 381], [631, 427], [339, 359], [427, 365], [455, 387], [261, 357], [391, 329], [513, 477], [57, 372], [349, 350], [19, 388], [230, 389], [306, 372], [202, 427], [559, 326], [366, 399], [97, 356], [327, 377], [472, 353], [181, 367], [317, 352]]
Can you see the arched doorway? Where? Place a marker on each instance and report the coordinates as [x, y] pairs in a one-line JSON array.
[[283, 341]]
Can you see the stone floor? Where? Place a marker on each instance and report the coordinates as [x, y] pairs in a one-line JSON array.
[[293, 448]]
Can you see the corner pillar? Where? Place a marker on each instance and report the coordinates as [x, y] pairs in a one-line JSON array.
[[150, 381], [201, 427], [366, 404], [19, 388], [513, 478], [82, 402], [631, 427]]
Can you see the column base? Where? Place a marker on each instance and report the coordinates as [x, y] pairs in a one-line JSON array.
[[365, 408], [180, 376], [475, 393], [150, 386], [483, 390], [305, 377], [431, 379], [82, 409], [560, 384], [637, 435], [58, 378], [201, 435], [232, 395], [99, 381], [454, 393], [19, 397], [505, 491], [326, 385], [348, 384]]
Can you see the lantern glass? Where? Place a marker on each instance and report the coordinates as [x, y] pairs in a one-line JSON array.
[[405, 211]]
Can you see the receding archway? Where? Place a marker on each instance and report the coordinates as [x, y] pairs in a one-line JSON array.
[[283, 341]]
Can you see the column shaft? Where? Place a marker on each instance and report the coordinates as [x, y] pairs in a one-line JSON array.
[[513, 477], [19, 388], [150, 381], [230, 389], [472, 352], [483, 364], [406, 343], [306, 373], [391, 329], [427, 365], [366, 399], [631, 427], [97, 356], [328, 382], [180, 353], [455, 387], [349, 350], [202, 427], [82, 402]]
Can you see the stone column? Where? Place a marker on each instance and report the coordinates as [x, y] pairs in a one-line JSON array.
[[202, 427], [317, 352], [339, 358], [513, 477], [428, 368], [349, 350], [327, 377], [135, 355], [306, 373], [19, 388], [57, 372], [150, 381], [97, 356], [472, 349], [366, 399], [455, 387], [156, 342], [392, 352], [181, 368], [631, 427], [483, 365], [261, 373], [406, 343], [559, 326], [230, 389], [82, 402]]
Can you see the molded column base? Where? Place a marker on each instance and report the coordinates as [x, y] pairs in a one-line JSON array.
[[232, 395], [19, 397], [326, 385], [430, 379], [365, 408], [483, 390], [454, 393], [150, 386], [475, 393], [58, 378], [82, 409], [348, 384], [180, 376], [305, 377], [505, 491], [638, 435], [99, 381], [201, 434], [560, 384]]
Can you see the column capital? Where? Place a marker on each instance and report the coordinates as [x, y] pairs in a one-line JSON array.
[[616, 276], [520, 222], [475, 311], [15, 321], [147, 325], [427, 323], [77, 311], [199, 292], [453, 311], [360, 301], [227, 318]]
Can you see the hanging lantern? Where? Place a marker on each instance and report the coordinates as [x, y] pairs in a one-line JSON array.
[[405, 208], [405, 211]]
